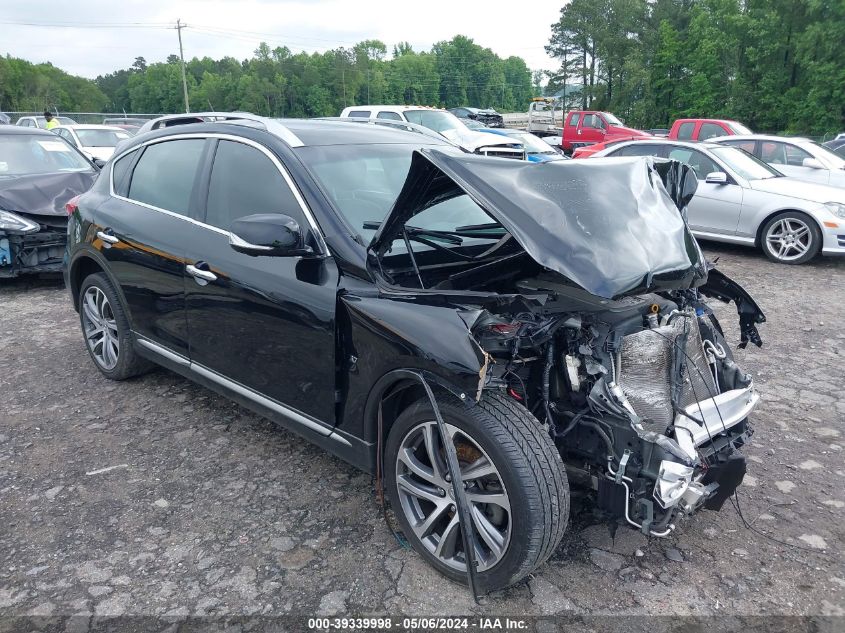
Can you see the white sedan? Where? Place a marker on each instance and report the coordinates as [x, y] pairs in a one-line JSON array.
[[742, 200], [97, 142], [793, 156]]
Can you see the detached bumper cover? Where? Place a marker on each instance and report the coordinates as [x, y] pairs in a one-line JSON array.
[[719, 414]]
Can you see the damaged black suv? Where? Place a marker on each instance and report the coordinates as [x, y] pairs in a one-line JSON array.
[[378, 292]]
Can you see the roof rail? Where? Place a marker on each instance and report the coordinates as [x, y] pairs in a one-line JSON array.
[[405, 125], [271, 125]]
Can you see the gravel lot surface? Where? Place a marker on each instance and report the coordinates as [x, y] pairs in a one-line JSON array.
[[156, 496]]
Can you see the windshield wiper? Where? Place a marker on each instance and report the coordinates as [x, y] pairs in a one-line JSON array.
[[451, 237]]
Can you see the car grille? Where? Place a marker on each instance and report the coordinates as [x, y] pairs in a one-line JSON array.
[[645, 372], [503, 152]]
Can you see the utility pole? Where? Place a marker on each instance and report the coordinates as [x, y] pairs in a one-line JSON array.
[[179, 27]]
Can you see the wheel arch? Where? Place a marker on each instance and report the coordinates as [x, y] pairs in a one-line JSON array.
[[85, 263]]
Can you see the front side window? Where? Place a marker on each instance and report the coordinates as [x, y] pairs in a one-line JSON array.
[[164, 176], [392, 116], [744, 164], [22, 154], [710, 130], [574, 119], [244, 181], [695, 159], [593, 120], [686, 130], [795, 155]]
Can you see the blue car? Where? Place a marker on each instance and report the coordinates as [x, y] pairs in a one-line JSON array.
[[536, 149]]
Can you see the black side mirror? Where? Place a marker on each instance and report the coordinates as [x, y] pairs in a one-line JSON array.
[[268, 234], [99, 163]]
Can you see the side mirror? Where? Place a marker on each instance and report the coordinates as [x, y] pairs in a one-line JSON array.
[[717, 178], [99, 162], [268, 234], [812, 163]]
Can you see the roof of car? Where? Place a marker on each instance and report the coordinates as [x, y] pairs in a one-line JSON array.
[[92, 126], [394, 108], [19, 129], [668, 141], [762, 137]]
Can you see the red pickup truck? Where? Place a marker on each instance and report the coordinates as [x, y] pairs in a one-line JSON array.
[[586, 127], [702, 129]]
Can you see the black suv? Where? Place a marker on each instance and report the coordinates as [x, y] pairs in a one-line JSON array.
[[408, 306]]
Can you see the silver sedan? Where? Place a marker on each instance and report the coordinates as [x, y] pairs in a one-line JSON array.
[[793, 156], [742, 200]]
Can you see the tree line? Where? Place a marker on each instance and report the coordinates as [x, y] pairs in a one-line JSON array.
[[278, 82], [775, 65]]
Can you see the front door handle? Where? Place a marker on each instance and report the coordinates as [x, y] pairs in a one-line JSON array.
[[107, 237], [199, 273]]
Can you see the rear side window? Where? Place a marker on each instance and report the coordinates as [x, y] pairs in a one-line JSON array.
[[710, 130], [360, 114], [120, 173], [393, 116], [164, 176], [245, 182], [640, 149], [686, 130]]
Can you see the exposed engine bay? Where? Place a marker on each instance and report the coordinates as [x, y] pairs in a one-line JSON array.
[[640, 394], [590, 311]]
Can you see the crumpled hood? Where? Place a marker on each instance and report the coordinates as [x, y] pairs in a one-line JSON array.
[[610, 226], [800, 189], [471, 140], [43, 194]]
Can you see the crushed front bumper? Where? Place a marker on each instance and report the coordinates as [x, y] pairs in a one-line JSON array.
[[33, 253]]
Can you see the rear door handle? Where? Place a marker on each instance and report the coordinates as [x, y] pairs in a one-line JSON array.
[[107, 237], [200, 274]]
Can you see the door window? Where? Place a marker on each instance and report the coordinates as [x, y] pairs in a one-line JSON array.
[[695, 159], [593, 120], [164, 176], [244, 181], [120, 173], [393, 116], [748, 146], [574, 119], [710, 130], [685, 131], [783, 154], [640, 149], [360, 114]]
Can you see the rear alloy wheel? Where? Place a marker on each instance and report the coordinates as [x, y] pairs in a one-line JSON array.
[[514, 480], [106, 330], [791, 238]]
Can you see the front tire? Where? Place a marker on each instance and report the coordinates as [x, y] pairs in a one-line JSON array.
[[517, 487], [106, 330], [790, 238]]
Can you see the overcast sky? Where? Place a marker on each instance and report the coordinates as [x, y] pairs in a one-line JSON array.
[[218, 28]]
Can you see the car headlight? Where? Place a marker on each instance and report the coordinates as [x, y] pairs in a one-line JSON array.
[[673, 479], [836, 208], [16, 224]]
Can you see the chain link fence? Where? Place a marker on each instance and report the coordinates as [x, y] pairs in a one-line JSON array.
[[87, 117]]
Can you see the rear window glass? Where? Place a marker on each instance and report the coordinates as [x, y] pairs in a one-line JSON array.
[[361, 114], [164, 176], [686, 130]]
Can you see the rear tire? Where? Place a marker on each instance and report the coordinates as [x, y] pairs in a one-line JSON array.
[[521, 529], [106, 330], [790, 237]]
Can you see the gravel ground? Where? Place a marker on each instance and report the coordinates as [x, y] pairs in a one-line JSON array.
[[156, 496]]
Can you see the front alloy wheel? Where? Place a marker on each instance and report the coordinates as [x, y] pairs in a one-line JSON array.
[[791, 238], [100, 327], [427, 497]]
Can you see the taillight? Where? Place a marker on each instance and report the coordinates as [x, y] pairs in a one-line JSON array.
[[72, 205], [506, 329]]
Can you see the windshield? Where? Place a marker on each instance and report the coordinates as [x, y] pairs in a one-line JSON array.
[[611, 119], [24, 154], [100, 138], [738, 128], [831, 158], [363, 181], [436, 120], [744, 164]]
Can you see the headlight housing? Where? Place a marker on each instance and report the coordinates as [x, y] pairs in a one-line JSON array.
[[836, 208], [673, 479], [12, 223]]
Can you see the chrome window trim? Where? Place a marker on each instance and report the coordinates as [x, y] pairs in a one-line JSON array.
[[274, 405], [306, 211]]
